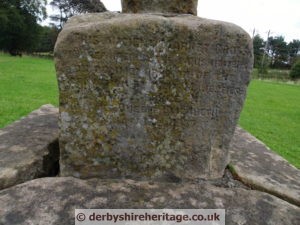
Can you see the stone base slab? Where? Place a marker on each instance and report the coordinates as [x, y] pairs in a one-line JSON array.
[[259, 167], [54, 200], [29, 147]]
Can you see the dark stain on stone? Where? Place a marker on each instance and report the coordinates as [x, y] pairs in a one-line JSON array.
[[14, 218]]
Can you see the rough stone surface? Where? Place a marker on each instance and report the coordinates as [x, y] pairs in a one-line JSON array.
[[253, 162], [256, 165], [54, 200], [143, 95], [29, 147], [160, 6]]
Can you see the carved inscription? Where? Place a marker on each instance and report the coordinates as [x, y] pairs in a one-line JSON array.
[[200, 65]]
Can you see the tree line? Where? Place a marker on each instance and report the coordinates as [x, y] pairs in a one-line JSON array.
[[275, 53], [20, 29]]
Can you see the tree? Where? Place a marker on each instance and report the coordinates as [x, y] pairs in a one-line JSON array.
[[279, 52], [258, 47], [48, 36], [69, 8], [19, 28], [294, 51], [36, 8], [295, 71]]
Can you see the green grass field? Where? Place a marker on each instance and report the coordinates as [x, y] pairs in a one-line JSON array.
[[25, 84], [271, 112]]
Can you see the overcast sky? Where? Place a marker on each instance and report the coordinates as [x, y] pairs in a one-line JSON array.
[[282, 17]]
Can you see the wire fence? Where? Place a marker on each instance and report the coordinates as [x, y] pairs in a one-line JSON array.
[[281, 75]]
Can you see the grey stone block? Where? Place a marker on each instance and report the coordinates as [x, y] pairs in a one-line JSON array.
[[29, 147]]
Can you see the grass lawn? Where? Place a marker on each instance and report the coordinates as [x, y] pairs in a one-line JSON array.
[[271, 112], [25, 84]]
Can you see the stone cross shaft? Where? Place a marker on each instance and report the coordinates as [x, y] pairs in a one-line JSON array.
[[151, 93], [160, 6]]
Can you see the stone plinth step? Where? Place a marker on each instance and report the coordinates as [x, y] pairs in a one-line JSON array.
[[54, 200], [29, 147], [259, 167]]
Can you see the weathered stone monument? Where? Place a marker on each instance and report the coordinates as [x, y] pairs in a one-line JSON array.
[[153, 95], [150, 95]]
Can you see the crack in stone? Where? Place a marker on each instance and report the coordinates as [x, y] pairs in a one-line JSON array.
[[259, 188]]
